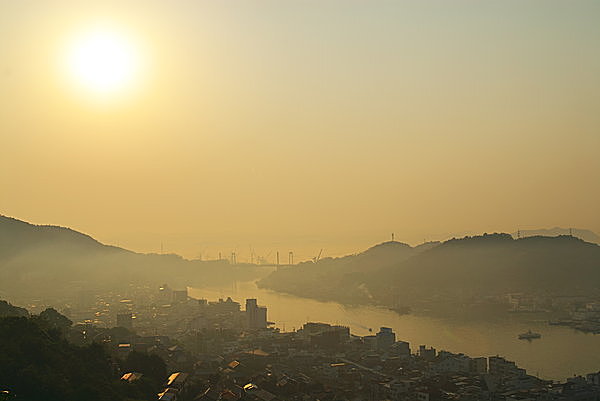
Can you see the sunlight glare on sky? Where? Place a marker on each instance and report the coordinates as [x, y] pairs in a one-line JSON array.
[[102, 61], [299, 125]]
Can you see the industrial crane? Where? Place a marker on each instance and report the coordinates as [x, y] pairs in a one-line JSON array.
[[316, 258]]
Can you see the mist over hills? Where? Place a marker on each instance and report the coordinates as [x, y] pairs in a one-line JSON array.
[[457, 269], [48, 260], [341, 279]]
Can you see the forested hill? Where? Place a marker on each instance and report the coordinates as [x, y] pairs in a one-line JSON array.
[[47, 260], [496, 264], [586, 235], [341, 279], [488, 264], [18, 237]]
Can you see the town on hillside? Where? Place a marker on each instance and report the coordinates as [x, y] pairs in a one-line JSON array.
[[217, 350]]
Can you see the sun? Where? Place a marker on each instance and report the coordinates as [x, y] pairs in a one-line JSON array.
[[103, 61]]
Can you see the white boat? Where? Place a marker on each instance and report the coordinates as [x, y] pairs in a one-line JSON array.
[[529, 335]]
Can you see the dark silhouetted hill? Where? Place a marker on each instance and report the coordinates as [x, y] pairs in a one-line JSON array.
[[586, 235], [47, 260], [457, 269], [495, 264], [342, 278]]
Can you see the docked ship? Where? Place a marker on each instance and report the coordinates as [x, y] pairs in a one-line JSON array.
[[529, 335]]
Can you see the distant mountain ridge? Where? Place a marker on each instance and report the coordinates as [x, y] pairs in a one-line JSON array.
[[44, 260], [496, 264], [49, 259], [17, 236], [586, 235], [477, 266], [341, 278]]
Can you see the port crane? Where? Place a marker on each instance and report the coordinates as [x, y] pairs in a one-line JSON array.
[[316, 258]]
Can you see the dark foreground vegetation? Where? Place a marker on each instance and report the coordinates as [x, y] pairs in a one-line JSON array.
[[38, 363]]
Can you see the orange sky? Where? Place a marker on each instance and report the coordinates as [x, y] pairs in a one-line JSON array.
[[302, 125]]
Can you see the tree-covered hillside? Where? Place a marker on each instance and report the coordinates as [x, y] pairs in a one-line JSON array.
[[37, 363], [485, 265], [49, 260], [340, 279]]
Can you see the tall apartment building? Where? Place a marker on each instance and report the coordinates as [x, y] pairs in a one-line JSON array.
[[256, 315]]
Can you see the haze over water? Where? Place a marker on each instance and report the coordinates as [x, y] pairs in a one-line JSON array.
[[198, 143], [559, 354]]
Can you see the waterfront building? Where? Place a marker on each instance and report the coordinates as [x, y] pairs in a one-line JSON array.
[[499, 366], [385, 338], [256, 315], [180, 296], [427, 353], [401, 348]]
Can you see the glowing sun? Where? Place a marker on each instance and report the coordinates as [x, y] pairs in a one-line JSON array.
[[103, 61]]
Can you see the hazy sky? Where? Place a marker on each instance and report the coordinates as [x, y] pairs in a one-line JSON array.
[[302, 125]]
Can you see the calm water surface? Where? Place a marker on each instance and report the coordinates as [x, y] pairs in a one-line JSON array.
[[560, 353]]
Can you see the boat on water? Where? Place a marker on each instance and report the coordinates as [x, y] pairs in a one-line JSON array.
[[401, 310], [529, 335]]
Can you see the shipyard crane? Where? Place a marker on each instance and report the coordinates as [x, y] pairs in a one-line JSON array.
[[316, 258]]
